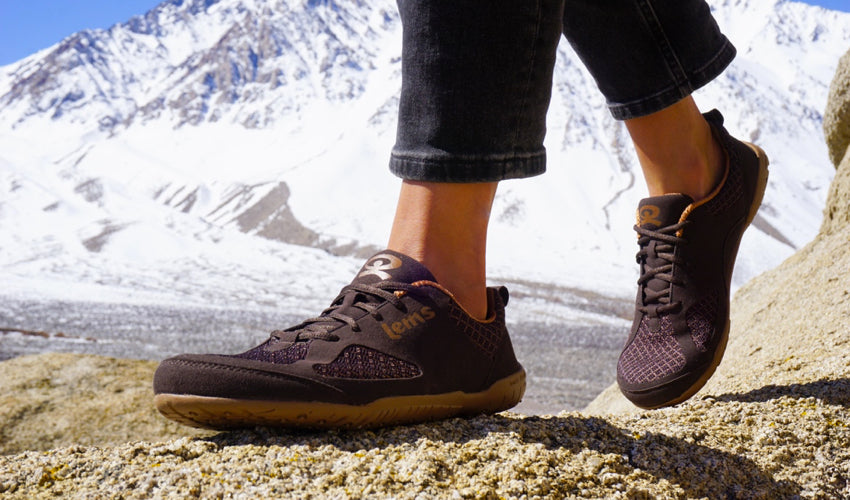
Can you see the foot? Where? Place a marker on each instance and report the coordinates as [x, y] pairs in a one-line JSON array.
[[393, 347], [687, 252]]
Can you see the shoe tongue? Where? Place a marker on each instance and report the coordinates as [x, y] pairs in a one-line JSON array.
[[662, 211], [392, 266]]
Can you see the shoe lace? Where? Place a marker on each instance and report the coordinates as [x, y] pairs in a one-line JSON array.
[[352, 298], [657, 277]]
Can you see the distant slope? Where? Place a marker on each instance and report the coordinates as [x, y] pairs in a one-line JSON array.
[[209, 138]]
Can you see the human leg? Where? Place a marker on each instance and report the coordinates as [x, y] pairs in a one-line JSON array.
[[476, 84], [444, 226], [686, 257], [476, 87], [677, 150], [402, 342], [647, 57], [705, 186]]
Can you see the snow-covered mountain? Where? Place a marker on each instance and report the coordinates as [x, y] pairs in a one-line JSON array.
[[234, 152]]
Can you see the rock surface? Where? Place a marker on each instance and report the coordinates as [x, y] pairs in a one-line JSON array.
[[774, 422], [836, 117], [54, 400], [775, 441]]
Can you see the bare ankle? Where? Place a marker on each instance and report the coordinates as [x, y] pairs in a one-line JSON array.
[[473, 301], [444, 226], [462, 276], [677, 151]]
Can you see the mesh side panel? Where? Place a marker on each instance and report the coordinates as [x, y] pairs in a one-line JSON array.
[[732, 190], [701, 321], [362, 363], [487, 336], [651, 356], [289, 355]]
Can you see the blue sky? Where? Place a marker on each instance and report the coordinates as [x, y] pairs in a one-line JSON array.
[[27, 26]]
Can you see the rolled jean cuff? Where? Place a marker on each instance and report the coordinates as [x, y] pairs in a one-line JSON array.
[[678, 91], [467, 169]]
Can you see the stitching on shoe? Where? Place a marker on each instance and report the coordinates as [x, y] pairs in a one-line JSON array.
[[205, 364]]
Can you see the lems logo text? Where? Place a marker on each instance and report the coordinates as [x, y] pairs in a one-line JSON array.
[[395, 329]]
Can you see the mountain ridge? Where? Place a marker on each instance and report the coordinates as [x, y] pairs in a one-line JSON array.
[[218, 59], [176, 127]]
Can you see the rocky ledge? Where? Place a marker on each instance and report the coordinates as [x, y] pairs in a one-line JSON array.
[[774, 422]]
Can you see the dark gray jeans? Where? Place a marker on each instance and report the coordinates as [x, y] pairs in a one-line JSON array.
[[477, 75]]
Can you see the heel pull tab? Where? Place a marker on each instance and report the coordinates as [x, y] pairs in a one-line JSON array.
[[503, 293]]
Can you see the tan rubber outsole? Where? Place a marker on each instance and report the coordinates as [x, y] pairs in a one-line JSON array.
[[224, 413], [764, 161]]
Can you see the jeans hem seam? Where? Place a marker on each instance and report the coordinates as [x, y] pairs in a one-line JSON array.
[[467, 169]]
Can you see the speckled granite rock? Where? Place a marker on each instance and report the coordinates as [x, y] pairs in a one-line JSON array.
[[836, 127], [774, 442], [774, 422], [836, 117], [53, 400]]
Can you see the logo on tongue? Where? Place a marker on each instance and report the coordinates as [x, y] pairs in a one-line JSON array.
[[379, 265], [648, 214]]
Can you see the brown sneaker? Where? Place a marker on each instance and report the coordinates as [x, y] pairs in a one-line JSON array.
[[687, 251], [393, 347]]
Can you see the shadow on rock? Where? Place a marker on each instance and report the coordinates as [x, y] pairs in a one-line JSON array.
[[699, 470], [832, 392]]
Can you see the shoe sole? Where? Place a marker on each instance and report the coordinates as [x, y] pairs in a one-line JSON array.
[[637, 398], [223, 413]]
